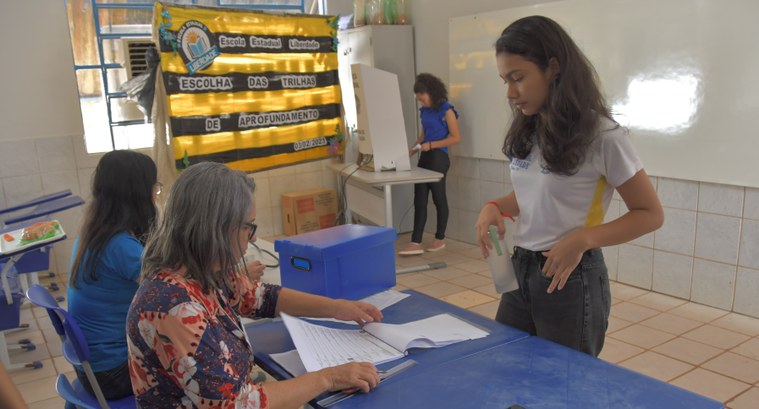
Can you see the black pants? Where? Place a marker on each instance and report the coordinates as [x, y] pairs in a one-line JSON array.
[[115, 383], [438, 161], [576, 316]]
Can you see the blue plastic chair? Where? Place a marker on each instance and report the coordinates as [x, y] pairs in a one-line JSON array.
[[77, 353]]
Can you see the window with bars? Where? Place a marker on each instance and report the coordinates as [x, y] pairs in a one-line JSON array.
[[109, 39]]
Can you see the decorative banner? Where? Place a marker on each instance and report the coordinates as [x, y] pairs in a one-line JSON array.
[[249, 89]]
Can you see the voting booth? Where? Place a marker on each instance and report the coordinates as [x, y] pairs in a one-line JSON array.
[[350, 261]]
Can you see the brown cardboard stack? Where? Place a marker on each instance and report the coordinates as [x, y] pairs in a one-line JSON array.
[[308, 210]]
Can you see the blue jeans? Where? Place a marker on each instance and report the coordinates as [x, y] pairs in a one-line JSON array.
[[576, 316], [115, 383]]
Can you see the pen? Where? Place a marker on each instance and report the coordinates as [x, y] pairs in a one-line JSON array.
[[494, 238]]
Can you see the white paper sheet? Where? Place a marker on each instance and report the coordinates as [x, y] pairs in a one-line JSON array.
[[436, 331], [380, 300], [322, 347]]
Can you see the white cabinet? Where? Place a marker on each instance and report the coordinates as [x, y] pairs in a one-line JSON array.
[[389, 48]]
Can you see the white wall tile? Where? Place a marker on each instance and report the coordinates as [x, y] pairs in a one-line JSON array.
[[308, 167], [678, 234], [276, 220], [453, 192], [263, 193], [749, 251], [713, 284], [751, 205], [646, 240], [717, 237], [279, 185], [746, 290], [306, 181], [721, 199], [490, 191], [56, 181], [329, 180], [681, 194], [285, 170], [18, 158], [265, 222], [55, 154], [673, 274], [468, 168], [635, 265], [611, 257], [493, 170], [470, 194], [19, 189]]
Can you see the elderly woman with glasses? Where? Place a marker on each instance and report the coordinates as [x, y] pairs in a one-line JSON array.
[[187, 346]]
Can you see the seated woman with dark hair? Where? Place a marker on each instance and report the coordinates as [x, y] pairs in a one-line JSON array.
[[106, 263], [186, 343]]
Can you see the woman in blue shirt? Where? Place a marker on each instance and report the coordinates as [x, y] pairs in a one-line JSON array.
[[440, 129], [107, 260]]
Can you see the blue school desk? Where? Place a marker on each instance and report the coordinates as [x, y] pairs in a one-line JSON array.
[[504, 369]]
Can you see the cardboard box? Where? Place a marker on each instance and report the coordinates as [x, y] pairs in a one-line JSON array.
[[351, 261], [308, 210]]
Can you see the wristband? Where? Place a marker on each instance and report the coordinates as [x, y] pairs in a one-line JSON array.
[[430, 145], [504, 214]]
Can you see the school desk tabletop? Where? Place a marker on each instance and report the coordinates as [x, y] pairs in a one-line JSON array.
[[47, 208], [532, 373], [272, 337]]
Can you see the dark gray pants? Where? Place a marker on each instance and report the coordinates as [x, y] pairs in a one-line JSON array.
[[115, 383], [576, 316]]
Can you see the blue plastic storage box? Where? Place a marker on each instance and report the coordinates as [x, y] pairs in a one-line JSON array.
[[350, 261]]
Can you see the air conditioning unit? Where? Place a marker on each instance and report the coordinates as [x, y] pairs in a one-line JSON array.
[[134, 50]]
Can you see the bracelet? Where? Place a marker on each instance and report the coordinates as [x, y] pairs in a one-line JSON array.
[[504, 214]]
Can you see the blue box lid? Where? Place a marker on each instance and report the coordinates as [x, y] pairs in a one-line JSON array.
[[335, 241]]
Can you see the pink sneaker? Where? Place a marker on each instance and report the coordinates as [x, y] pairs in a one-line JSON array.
[[412, 249], [436, 245]]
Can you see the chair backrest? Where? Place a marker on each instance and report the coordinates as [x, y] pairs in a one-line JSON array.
[[67, 392], [75, 348]]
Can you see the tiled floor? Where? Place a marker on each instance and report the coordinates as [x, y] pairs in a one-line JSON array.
[[703, 349]]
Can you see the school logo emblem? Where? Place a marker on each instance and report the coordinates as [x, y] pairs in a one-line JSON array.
[[198, 45]]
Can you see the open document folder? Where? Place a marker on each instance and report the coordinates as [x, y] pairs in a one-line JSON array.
[[321, 347]]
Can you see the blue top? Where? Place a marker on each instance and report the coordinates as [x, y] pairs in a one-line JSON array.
[[434, 124], [100, 307]]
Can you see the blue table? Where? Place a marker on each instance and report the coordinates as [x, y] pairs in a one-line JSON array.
[[46, 208], [272, 337], [534, 373], [506, 368], [36, 201]]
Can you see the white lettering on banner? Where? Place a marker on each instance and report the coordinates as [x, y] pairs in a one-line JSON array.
[[296, 44], [311, 143], [213, 124], [258, 42], [277, 118], [298, 81], [231, 42], [258, 82], [204, 83]]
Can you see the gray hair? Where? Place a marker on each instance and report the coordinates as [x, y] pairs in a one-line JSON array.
[[207, 205]]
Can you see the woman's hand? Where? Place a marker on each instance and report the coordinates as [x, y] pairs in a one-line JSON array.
[[358, 311], [489, 216], [564, 257], [255, 270], [351, 377]]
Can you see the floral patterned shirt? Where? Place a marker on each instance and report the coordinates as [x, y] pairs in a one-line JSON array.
[[188, 349]]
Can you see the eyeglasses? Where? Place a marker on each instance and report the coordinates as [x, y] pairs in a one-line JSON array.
[[158, 188], [252, 226]]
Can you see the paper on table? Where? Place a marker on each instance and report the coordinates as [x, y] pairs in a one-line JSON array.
[[291, 361], [381, 300], [436, 331], [322, 347]]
